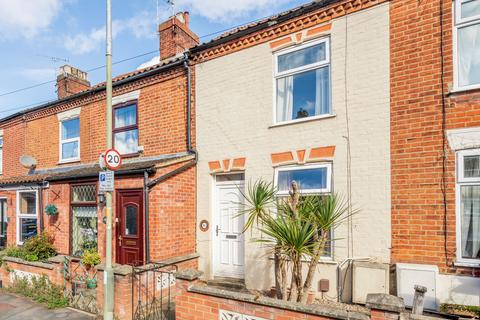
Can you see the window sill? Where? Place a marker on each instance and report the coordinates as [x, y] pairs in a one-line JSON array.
[[68, 161], [463, 90], [308, 119], [467, 264], [130, 155]]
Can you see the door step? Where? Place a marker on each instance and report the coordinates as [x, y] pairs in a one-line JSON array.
[[228, 284]]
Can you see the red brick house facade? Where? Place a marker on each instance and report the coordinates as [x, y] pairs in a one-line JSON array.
[[153, 127], [435, 121]]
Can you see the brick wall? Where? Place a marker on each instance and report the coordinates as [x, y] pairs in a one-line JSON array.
[[161, 122], [419, 232]]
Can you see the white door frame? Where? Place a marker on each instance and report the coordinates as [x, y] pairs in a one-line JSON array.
[[215, 220]]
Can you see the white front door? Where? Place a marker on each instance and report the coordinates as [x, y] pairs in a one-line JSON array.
[[227, 230]]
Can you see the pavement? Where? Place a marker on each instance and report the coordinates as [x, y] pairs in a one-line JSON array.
[[18, 308]]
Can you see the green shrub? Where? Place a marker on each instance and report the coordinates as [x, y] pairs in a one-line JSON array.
[[39, 248], [90, 258], [459, 309], [39, 289]]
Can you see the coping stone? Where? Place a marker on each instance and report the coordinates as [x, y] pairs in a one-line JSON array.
[[118, 269], [385, 302], [188, 274], [38, 264], [319, 310]]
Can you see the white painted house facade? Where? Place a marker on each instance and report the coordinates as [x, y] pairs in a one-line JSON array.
[[308, 103]]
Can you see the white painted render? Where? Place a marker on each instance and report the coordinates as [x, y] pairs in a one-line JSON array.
[[234, 109]]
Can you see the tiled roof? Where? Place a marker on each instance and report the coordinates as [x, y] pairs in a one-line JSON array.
[[92, 170], [265, 22]]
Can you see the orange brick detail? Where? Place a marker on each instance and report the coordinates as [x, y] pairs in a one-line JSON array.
[[278, 43], [319, 29], [214, 165], [298, 36], [301, 155], [239, 163], [322, 152], [278, 158], [226, 164]]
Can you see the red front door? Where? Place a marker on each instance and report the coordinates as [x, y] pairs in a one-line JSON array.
[[130, 235]]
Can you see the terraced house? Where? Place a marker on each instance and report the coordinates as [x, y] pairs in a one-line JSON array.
[[304, 96], [59, 145]]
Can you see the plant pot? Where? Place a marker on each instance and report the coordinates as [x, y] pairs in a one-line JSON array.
[[91, 284]]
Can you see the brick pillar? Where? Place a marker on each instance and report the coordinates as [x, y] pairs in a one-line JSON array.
[[123, 306]]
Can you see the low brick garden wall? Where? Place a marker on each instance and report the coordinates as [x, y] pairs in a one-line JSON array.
[[196, 301]]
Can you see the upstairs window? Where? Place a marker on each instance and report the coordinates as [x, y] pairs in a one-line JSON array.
[[468, 206], [467, 46], [70, 140], [125, 129], [302, 81]]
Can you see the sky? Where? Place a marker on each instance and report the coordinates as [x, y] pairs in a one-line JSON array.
[[39, 36]]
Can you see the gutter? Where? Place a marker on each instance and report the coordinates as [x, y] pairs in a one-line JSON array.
[[148, 185]]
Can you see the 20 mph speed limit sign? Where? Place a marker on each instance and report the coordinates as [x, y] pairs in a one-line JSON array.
[[113, 159]]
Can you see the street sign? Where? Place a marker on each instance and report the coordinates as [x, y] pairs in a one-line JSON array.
[[106, 181], [113, 159]]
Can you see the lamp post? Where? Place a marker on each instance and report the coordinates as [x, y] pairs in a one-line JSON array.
[[108, 273]]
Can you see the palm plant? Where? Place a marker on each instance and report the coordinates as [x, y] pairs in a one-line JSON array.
[[297, 230]]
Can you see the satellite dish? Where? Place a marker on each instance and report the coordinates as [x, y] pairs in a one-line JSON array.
[[28, 162]]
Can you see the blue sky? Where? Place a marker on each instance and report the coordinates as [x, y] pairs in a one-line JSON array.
[[34, 33]]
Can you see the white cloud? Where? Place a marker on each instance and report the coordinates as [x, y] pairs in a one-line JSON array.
[[227, 10], [26, 18], [142, 25], [38, 74]]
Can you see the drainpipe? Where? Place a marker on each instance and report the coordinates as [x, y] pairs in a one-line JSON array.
[[40, 206], [148, 185], [146, 191]]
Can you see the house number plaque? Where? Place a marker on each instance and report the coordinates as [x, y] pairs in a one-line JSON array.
[[204, 225]]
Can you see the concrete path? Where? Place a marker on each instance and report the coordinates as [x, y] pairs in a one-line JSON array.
[[18, 308]]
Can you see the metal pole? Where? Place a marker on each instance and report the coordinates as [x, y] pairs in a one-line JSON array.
[[108, 274]]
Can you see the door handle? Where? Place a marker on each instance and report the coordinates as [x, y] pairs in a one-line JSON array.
[[120, 240], [217, 229]]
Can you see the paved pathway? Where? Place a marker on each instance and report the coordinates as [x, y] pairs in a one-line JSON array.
[[18, 308]]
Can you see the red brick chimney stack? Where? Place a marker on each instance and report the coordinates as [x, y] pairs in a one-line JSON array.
[[70, 81], [176, 36]]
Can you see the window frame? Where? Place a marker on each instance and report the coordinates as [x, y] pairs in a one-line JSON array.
[[459, 182], [328, 190], [20, 216], [74, 204], [126, 128], [277, 75], [459, 23], [326, 165], [63, 141]]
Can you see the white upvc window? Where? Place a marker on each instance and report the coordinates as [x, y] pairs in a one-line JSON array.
[[468, 206], [467, 44], [312, 179], [27, 215], [70, 140], [302, 82]]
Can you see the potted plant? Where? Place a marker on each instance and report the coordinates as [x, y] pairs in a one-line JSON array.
[[51, 210], [91, 283], [90, 258]]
